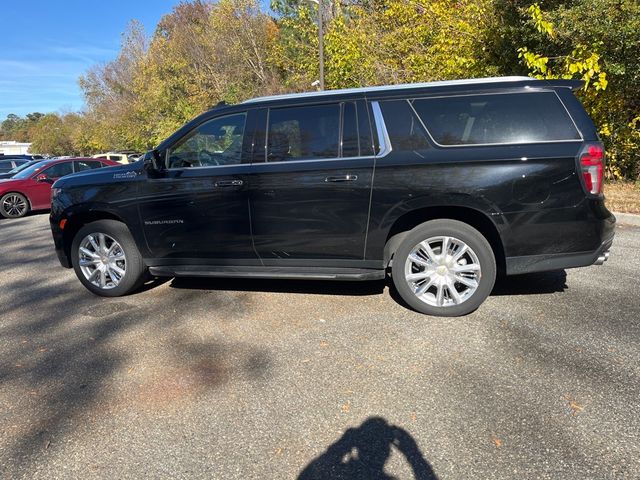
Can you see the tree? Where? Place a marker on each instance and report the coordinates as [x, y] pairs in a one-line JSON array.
[[112, 99], [200, 54], [53, 134], [604, 54]]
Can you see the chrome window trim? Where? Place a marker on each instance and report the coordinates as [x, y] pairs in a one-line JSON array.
[[207, 166], [383, 140], [383, 136], [472, 145], [311, 160], [335, 159]]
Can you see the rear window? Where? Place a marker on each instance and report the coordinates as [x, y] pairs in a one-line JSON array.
[[297, 133], [403, 127], [83, 165], [496, 118]]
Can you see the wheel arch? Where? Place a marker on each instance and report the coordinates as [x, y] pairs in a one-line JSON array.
[[475, 218], [77, 221]]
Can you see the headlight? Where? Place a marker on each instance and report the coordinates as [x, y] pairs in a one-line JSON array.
[[55, 192]]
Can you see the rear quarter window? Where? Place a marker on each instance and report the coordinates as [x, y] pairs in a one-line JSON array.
[[496, 119], [83, 165]]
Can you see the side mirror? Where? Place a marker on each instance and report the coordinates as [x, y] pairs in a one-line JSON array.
[[42, 178], [157, 159]]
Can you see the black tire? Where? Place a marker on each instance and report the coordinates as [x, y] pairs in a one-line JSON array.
[[135, 271], [14, 205], [460, 231]]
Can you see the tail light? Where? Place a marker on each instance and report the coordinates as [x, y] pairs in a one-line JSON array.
[[592, 167]]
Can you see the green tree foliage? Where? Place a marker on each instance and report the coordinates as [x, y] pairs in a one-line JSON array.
[[594, 40], [18, 128], [54, 134], [200, 54], [382, 41]]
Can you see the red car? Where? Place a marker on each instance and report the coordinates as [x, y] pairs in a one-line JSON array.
[[30, 189]]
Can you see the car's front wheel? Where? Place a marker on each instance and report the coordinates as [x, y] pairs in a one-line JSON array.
[[444, 268], [106, 258], [14, 205]]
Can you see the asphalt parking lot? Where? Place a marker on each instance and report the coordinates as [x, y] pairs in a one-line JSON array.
[[283, 379]]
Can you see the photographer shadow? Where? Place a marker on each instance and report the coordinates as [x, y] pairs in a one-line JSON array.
[[362, 452]]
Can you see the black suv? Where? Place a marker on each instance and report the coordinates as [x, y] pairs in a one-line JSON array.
[[444, 185]]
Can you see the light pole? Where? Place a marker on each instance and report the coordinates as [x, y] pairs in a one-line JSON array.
[[320, 39]]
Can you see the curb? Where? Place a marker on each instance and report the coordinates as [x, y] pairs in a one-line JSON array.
[[627, 219]]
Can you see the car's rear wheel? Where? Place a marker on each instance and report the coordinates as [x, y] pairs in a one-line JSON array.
[[106, 258], [14, 205], [444, 268]]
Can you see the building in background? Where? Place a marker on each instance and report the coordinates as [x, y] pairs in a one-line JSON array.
[[10, 147]]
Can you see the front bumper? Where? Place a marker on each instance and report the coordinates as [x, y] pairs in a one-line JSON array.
[[58, 241]]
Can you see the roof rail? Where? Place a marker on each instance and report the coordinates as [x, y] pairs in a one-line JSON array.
[[440, 83]]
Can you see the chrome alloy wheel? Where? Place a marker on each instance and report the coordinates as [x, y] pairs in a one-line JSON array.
[[442, 271], [102, 260], [14, 205]]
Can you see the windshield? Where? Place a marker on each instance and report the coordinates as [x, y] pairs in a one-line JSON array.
[[19, 168], [30, 170]]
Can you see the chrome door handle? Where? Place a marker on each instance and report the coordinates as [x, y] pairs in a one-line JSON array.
[[229, 183], [342, 178]]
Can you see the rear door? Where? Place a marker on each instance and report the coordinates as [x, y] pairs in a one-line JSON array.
[[311, 185]]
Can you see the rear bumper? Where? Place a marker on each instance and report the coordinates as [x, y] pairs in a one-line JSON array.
[[579, 236], [542, 263]]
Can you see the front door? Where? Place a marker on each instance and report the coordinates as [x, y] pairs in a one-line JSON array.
[[40, 192], [197, 207], [310, 195]]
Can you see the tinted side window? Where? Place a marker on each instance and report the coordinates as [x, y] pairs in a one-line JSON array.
[[59, 170], [404, 128], [350, 143], [80, 166], [296, 133], [496, 118], [364, 130], [215, 142], [6, 165]]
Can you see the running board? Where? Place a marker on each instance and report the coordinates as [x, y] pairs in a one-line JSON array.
[[292, 273]]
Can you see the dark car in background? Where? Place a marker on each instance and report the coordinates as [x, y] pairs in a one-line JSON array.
[[19, 168], [9, 162], [443, 185], [30, 189]]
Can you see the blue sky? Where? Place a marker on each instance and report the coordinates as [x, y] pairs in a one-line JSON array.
[[45, 45]]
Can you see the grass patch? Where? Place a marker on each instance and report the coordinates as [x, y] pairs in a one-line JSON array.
[[623, 197]]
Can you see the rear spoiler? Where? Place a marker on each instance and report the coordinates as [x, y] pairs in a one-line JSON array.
[[572, 84]]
